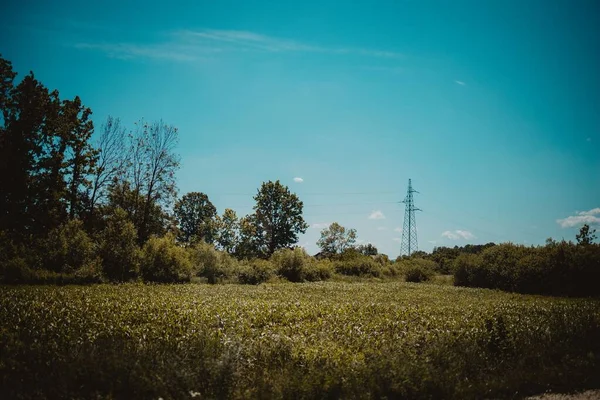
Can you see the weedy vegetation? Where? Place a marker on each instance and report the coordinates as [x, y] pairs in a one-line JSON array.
[[292, 340]]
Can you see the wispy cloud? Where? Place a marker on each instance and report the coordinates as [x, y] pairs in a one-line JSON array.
[[320, 225], [432, 241], [398, 229], [583, 217], [377, 215], [397, 240], [392, 70], [381, 228], [161, 51], [188, 45], [458, 234], [298, 180], [461, 83]]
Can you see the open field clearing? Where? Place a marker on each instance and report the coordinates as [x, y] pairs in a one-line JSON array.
[[316, 340]]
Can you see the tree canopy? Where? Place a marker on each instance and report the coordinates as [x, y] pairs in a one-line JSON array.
[[278, 217]]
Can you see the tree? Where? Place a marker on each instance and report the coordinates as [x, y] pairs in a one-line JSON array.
[[585, 235], [336, 239], [278, 217], [110, 163], [367, 249], [150, 170], [250, 238], [81, 156], [122, 196], [228, 231], [195, 216], [118, 248], [44, 156]]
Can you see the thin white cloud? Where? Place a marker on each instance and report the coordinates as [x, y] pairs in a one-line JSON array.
[[392, 70], [582, 217], [377, 215], [465, 234], [458, 234], [189, 45], [320, 225], [381, 228], [398, 229], [432, 241], [461, 83], [397, 240], [298, 180], [450, 235], [162, 51]]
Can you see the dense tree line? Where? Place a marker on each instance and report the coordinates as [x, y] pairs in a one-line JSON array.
[[75, 203], [83, 206]]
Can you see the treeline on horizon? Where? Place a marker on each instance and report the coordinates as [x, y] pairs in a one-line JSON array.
[[77, 210]]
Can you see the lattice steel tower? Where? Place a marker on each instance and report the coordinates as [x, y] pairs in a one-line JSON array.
[[409, 231]]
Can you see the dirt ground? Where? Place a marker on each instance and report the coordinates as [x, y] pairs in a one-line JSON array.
[[587, 395]]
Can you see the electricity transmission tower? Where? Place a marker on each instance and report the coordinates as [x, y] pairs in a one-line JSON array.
[[409, 230]]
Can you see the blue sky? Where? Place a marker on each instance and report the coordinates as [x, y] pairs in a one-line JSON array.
[[492, 108]]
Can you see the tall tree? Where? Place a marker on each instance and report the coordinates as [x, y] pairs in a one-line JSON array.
[[44, 156], [31, 159], [278, 217], [111, 161], [336, 239], [81, 156], [250, 239], [195, 216], [152, 167], [586, 236], [228, 231], [122, 196]]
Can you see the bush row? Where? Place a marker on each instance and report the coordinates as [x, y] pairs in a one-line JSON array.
[[70, 255], [559, 268]]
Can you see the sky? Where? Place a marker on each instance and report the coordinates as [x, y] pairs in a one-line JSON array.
[[492, 108]]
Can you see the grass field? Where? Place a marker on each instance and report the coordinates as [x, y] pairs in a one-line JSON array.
[[317, 340]]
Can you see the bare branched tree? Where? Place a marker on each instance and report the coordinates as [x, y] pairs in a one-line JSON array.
[[111, 162]]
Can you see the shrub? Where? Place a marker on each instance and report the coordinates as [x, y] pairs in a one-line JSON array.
[[15, 270], [419, 270], [215, 266], [118, 248], [359, 266], [297, 266], [163, 261], [68, 248], [559, 268], [255, 272], [318, 270], [468, 270]]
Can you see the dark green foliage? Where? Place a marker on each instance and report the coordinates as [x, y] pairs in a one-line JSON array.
[[336, 239], [297, 266], [418, 270], [68, 248], [255, 271], [150, 217], [162, 260], [586, 235], [118, 248], [444, 256], [357, 264], [559, 268], [277, 218], [195, 216], [44, 156], [216, 266]]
